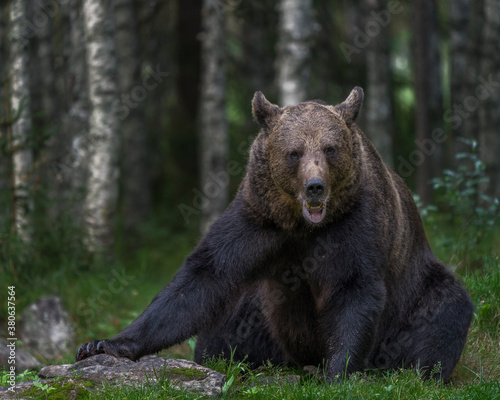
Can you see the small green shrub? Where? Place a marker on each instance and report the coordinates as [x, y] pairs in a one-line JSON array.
[[464, 220]]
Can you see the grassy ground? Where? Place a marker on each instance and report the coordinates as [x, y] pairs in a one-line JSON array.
[[399, 385], [476, 377]]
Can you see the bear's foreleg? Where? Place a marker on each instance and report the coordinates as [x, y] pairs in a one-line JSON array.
[[350, 322], [226, 260]]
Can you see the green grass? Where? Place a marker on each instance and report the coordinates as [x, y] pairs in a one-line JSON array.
[[400, 385], [247, 385], [477, 376], [481, 357]]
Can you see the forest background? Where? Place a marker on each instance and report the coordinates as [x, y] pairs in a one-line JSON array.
[[125, 127]]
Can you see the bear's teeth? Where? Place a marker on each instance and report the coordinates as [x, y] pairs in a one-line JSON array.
[[320, 207]]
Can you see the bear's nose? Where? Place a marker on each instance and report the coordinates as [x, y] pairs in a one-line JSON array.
[[315, 187]]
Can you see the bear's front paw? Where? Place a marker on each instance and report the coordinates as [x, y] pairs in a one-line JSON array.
[[113, 347], [91, 349]]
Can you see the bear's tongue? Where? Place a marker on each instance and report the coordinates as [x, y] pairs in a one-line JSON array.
[[314, 214]]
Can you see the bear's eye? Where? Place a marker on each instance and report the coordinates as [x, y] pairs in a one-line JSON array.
[[330, 151], [294, 155]]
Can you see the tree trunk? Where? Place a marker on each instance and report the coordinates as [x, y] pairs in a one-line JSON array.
[[378, 91], [67, 149], [22, 155], [186, 77], [489, 109], [42, 68], [471, 121], [466, 20], [188, 57], [4, 106], [136, 192], [459, 22], [295, 30], [44, 115], [213, 124], [102, 185], [429, 111]]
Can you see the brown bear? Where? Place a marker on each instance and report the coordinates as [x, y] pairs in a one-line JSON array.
[[321, 259]]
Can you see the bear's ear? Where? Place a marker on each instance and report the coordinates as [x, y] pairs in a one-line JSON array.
[[264, 112], [349, 109]]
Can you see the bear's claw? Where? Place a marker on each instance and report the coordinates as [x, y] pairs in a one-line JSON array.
[[90, 349]]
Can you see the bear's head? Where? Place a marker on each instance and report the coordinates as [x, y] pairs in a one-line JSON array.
[[305, 163]]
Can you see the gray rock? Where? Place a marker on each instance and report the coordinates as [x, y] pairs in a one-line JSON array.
[[121, 371], [46, 329], [24, 360]]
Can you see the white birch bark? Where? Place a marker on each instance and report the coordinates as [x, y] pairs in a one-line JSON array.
[[213, 124], [295, 30], [102, 184], [4, 161], [22, 155]]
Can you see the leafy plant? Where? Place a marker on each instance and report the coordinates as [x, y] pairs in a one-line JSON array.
[[25, 376], [233, 370], [462, 201], [42, 387]]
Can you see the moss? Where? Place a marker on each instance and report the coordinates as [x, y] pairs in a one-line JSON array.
[[66, 388], [187, 374]]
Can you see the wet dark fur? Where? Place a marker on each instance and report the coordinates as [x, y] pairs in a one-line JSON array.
[[359, 289]]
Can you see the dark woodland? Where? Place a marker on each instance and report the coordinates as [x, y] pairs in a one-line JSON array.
[[126, 126]]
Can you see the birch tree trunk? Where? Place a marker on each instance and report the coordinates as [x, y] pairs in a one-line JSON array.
[[489, 109], [378, 92], [102, 184], [4, 101], [295, 30], [428, 92], [136, 189], [213, 123], [22, 155]]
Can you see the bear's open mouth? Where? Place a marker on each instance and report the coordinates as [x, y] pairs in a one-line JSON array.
[[314, 212]]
